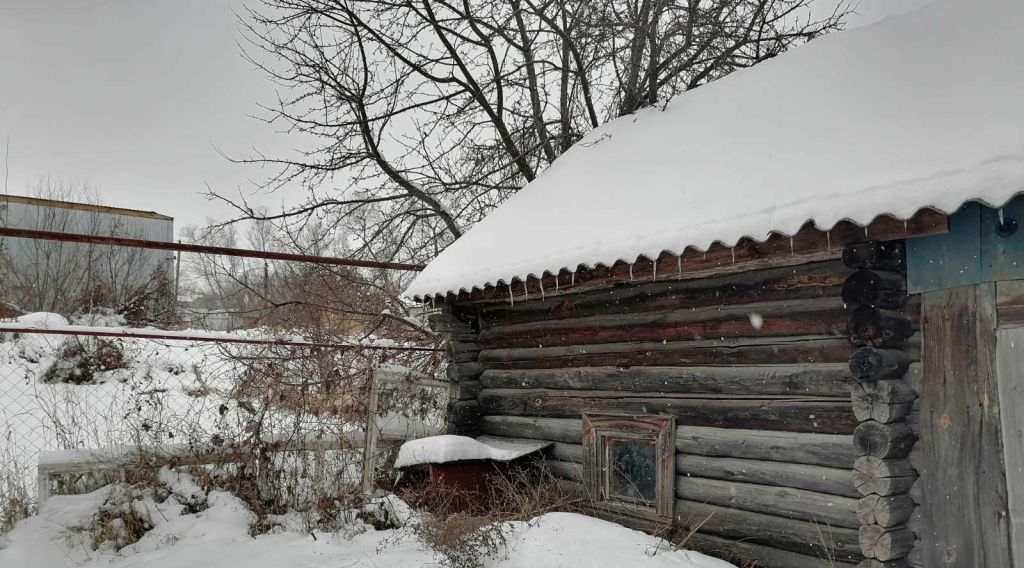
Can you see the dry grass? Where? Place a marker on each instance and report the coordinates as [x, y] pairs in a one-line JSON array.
[[464, 528]]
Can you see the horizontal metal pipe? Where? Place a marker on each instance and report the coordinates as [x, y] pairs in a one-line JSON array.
[[213, 337], [201, 249]]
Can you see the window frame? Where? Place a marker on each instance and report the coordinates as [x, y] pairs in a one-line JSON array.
[[602, 429]]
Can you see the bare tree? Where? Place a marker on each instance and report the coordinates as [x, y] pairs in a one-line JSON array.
[[70, 278], [425, 114]]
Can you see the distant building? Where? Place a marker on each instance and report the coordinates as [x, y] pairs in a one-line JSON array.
[[65, 276]]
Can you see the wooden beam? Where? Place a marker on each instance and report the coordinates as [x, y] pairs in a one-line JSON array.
[[964, 512], [825, 379], [821, 479], [796, 414]]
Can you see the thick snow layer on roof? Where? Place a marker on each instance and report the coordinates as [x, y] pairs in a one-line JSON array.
[[449, 448], [920, 110]]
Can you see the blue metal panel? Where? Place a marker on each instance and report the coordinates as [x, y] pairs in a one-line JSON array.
[[1002, 252], [949, 260], [974, 250]]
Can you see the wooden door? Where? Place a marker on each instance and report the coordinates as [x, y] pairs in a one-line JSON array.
[[1010, 379]]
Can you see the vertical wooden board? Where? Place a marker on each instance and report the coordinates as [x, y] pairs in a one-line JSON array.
[[1010, 379], [964, 483]]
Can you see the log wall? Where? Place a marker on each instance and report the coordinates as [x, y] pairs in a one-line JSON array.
[[882, 322], [755, 368]]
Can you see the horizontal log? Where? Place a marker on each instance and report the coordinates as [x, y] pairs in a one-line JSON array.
[[785, 447], [468, 371], [447, 324], [879, 328], [828, 510], [883, 401], [566, 452], [567, 430], [565, 470], [739, 551], [885, 511], [886, 441], [817, 280], [885, 543], [873, 364], [829, 480], [875, 288], [804, 537], [464, 417], [461, 352], [745, 351], [874, 563], [814, 449], [827, 379], [882, 255], [466, 390], [796, 414], [821, 316], [873, 475], [915, 558]]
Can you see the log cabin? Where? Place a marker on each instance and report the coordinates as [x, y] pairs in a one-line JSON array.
[[784, 310]]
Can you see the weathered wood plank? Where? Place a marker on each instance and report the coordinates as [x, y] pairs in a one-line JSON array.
[[1010, 380], [823, 415], [830, 480], [468, 371], [827, 379], [739, 551], [817, 280], [746, 351], [565, 470], [785, 447], [965, 513], [820, 316], [567, 430], [813, 539], [1010, 302], [822, 508], [815, 449]]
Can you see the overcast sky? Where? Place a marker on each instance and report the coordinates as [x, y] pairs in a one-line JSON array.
[[135, 97]]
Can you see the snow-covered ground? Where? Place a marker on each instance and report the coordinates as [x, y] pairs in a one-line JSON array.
[[60, 537], [170, 393]]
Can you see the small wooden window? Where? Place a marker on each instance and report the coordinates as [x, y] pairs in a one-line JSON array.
[[630, 462]]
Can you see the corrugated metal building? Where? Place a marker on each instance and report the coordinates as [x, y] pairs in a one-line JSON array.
[[47, 275]]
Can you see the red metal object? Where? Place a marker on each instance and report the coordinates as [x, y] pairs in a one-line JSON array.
[[200, 337], [201, 249]]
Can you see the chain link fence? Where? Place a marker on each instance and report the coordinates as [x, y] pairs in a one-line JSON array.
[[82, 405]]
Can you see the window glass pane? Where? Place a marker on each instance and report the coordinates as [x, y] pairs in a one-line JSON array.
[[632, 470]]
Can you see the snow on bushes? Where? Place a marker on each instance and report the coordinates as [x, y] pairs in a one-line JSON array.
[[106, 528]]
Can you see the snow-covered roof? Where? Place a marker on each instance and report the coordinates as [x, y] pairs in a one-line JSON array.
[[921, 110], [449, 448]]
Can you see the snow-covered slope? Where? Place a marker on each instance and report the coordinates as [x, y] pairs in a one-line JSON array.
[[60, 537], [921, 110]]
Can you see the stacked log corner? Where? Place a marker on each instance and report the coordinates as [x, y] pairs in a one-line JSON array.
[[882, 324], [463, 371]]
